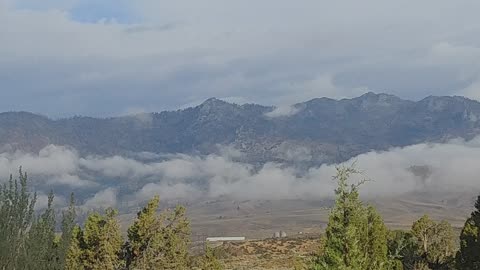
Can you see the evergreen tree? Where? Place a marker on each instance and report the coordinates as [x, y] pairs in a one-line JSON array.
[[74, 255], [177, 238], [468, 257], [41, 246], [356, 236], [68, 225], [16, 216], [376, 248], [101, 242], [145, 237], [158, 241], [343, 247]]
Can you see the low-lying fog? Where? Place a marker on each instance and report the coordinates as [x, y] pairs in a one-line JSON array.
[[115, 180]]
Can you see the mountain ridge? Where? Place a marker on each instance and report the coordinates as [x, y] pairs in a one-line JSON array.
[[328, 130]]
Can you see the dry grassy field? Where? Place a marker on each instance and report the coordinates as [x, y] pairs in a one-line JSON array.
[[303, 221], [286, 253], [261, 219]]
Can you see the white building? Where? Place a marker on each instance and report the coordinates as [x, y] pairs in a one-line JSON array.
[[225, 239]]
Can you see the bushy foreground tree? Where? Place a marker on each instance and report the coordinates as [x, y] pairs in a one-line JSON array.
[[98, 245], [41, 245], [435, 243], [68, 232], [468, 257], [16, 216], [356, 237], [30, 242], [155, 241], [158, 241]]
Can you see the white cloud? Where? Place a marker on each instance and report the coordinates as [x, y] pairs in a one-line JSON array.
[[103, 199], [51, 158], [453, 166], [58, 164], [389, 170], [472, 91], [70, 180], [167, 192], [282, 111]]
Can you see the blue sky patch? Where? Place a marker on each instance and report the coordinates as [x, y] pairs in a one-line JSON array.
[[94, 11]]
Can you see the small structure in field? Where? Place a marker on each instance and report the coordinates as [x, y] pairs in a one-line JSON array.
[[214, 242], [280, 234], [225, 239]]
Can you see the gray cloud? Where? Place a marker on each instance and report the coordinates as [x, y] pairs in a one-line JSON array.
[[271, 52]]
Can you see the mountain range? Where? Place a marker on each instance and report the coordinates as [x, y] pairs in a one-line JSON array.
[[317, 131]]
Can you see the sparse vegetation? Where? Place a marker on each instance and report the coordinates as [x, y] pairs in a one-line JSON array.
[[155, 241], [468, 257], [356, 238]]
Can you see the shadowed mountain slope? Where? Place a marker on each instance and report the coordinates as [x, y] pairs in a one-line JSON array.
[[319, 131]]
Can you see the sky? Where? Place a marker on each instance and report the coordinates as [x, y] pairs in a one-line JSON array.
[[113, 57]]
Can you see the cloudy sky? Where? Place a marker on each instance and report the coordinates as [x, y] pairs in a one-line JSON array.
[[112, 57]]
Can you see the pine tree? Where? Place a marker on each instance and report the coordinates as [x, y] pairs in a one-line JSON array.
[[177, 236], [376, 248], [158, 241], [101, 242], [68, 225], [74, 255], [343, 247], [468, 257], [356, 236], [41, 246], [145, 238], [16, 216]]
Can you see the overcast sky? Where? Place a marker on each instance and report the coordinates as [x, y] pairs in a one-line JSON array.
[[112, 57]]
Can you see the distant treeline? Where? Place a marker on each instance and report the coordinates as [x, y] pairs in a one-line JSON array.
[[356, 237]]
